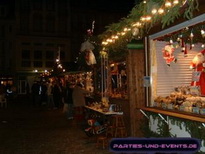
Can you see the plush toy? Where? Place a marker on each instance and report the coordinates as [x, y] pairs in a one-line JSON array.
[[168, 54], [95, 128], [198, 65]]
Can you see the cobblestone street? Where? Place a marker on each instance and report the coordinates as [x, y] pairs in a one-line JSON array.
[[28, 130]]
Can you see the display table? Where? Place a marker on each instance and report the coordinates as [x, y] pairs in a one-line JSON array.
[[104, 113]]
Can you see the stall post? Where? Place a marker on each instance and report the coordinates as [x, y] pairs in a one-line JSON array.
[[136, 90]]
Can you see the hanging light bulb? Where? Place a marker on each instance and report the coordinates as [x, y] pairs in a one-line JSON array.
[[122, 33], [154, 11], [202, 32], [125, 29], [175, 2], [192, 45], [161, 11], [203, 45], [137, 24], [148, 18], [142, 18], [191, 35], [116, 37], [171, 41], [168, 4]]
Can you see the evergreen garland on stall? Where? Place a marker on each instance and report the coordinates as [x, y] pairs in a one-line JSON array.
[[137, 19], [194, 128]]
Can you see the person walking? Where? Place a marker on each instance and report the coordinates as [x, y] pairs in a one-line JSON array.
[[79, 101], [57, 95], [43, 93], [68, 100], [36, 93], [50, 102]]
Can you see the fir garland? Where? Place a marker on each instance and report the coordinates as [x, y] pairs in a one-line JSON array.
[[195, 129], [142, 10]]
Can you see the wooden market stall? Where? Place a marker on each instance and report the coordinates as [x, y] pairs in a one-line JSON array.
[[165, 93], [174, 103]]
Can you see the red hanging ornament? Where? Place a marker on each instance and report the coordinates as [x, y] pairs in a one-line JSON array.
[[184, 47]]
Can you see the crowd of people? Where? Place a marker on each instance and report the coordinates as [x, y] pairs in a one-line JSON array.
[[55, 95]]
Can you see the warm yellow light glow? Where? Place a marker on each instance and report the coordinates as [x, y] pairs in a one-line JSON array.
[[123, 33], [168, 4], [202, 45], [142, 18], [125, 29], [112, 65], [109, 40], [202, 32], [191, 35], [175, 2], [138, 24], [161, 11], [148, 18], [60, 66], [104, 43], [116, 37], [154, 11]]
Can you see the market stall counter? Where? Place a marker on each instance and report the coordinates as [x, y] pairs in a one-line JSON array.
[[104, 111], [103, 116]]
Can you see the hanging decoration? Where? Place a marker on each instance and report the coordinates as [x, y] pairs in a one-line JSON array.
[[58, 68], [168, 54], [88, 48], [183, 46], [142, 18], [191, 40]]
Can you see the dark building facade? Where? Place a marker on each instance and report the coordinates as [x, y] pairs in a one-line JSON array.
[[32, 31]]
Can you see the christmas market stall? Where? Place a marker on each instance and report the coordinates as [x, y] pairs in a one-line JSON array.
[[165, 67]]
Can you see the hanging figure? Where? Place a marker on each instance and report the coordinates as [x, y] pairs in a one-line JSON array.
[[168, 54], [198, 64], [90, 57], [87, 47]]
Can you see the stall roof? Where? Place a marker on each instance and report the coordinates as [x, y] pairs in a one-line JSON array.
[[197, 21], [199, 17]]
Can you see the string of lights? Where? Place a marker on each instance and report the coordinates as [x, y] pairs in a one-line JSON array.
[[145, 16]]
